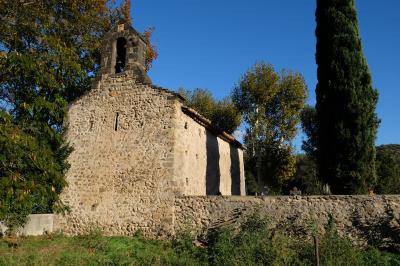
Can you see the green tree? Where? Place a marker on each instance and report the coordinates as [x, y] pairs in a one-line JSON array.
[[49, 57], [270, 104], [31, 173], [223, 114], [305, 177], [199, 99], [388, 169], [309, 127], [346, 101]]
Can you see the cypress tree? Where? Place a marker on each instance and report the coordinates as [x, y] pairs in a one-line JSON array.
[[346, 101]]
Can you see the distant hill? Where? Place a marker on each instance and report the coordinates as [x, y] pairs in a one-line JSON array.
[[393, 149], [390, 147]]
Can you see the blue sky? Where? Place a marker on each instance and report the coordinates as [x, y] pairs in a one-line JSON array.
[[211, 43]]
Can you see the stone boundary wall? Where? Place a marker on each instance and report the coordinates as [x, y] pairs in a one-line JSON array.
[[37, 225], [364, 219]]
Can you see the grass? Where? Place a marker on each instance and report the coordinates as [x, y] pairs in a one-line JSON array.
[[252, 244], [93, 249]]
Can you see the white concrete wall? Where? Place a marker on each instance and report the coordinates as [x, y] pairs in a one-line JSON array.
[[37, 224]]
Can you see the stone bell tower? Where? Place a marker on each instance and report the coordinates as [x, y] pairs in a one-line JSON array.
[[124, 51]]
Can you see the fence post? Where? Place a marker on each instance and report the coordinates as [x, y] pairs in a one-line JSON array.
[[316, 250]]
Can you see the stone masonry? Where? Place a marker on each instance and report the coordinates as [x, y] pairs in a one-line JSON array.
[[137, 147], [363, 219]]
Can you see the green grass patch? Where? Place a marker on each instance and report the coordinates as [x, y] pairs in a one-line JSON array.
[[253, 243]]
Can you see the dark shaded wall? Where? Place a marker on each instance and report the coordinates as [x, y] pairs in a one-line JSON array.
[[213, 171], [235, 170]]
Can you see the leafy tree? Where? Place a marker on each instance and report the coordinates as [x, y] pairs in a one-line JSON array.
[[309, 126], [31, 173], [51, 51], [270, 103], [305, 177], [346, 101], [199, 99], [251, 184], [223, 114], [49, 56], [388, 169]]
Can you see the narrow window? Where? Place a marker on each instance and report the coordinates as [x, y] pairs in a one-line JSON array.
[[121, 55], [116, 122]]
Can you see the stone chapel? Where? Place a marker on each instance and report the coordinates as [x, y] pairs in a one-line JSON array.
[[137, 146]]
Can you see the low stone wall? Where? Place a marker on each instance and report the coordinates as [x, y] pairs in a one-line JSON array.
[[364, 219], [37, 224]]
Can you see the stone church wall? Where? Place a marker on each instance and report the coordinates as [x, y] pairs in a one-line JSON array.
[[121, 171], [204, 163], [134, 151], [364, 219]]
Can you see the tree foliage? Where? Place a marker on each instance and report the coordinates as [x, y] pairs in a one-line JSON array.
[[52, 50], [346, 101], [270, 103], [31, 172], [388, 169], [305, 178], [309, 127], [126, 11], [49, 57], [387, 161], [222, 114], [151, 51]]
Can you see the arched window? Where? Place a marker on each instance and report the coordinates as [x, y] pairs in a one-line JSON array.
[[121, 55]]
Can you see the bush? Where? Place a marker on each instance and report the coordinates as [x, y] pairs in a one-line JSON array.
[[254, 244], [335, 250]]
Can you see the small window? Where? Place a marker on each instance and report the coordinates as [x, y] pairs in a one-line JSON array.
[[121, 55], [116, 122]]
